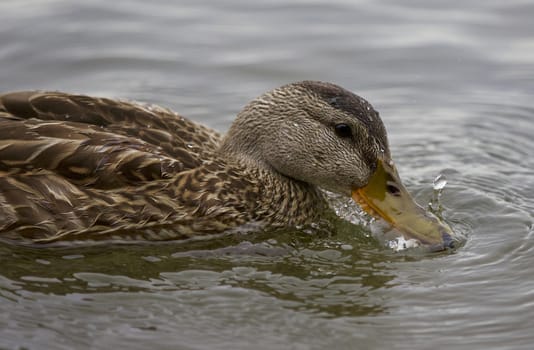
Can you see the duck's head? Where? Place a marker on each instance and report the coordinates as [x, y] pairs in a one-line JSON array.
[[324, 135]]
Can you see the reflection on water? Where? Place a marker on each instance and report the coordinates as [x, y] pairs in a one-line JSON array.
[[209, 289], [324, 274], [452, 81]]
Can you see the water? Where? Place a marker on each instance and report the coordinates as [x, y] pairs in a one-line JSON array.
[[453, 81]]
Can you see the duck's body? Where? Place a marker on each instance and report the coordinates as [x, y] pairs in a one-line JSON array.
[[75, 167]]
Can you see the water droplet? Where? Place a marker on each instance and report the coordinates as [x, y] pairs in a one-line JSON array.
[[439, 182], [435, 203]]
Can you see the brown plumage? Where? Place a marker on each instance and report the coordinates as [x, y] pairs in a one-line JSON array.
[[75, 167]]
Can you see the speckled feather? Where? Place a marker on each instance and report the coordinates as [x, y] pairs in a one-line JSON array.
[[74, 167]]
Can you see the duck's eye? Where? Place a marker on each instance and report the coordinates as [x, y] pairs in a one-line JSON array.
[[343, 130]]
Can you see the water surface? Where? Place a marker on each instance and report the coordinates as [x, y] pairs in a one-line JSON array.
[[453, 81]]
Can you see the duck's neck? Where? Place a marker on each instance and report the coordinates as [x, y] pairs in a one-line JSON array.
[[281, 200], [241, 143], [288, 202]]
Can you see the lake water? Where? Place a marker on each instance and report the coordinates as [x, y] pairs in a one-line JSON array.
[[454, 83]]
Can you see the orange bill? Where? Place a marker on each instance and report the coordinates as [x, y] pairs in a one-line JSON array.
[[386, 197]]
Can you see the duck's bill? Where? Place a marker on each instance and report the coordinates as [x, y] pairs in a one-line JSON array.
[[386, 197]]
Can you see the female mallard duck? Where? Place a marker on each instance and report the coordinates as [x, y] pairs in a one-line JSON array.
[[75, 167]]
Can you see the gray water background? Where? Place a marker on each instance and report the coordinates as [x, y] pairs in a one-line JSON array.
[[453, 81]]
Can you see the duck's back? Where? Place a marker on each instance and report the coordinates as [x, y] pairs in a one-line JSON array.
[[98, 142], [54, 147]]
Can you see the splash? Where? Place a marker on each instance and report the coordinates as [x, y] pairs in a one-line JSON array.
[[434, 205], [400, 243]]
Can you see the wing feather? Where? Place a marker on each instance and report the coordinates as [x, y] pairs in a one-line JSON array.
[[96, 141]]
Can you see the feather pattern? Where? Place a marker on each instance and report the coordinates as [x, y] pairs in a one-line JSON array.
[[74, 167]]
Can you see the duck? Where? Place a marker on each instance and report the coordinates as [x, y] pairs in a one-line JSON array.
[[81, 168]]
